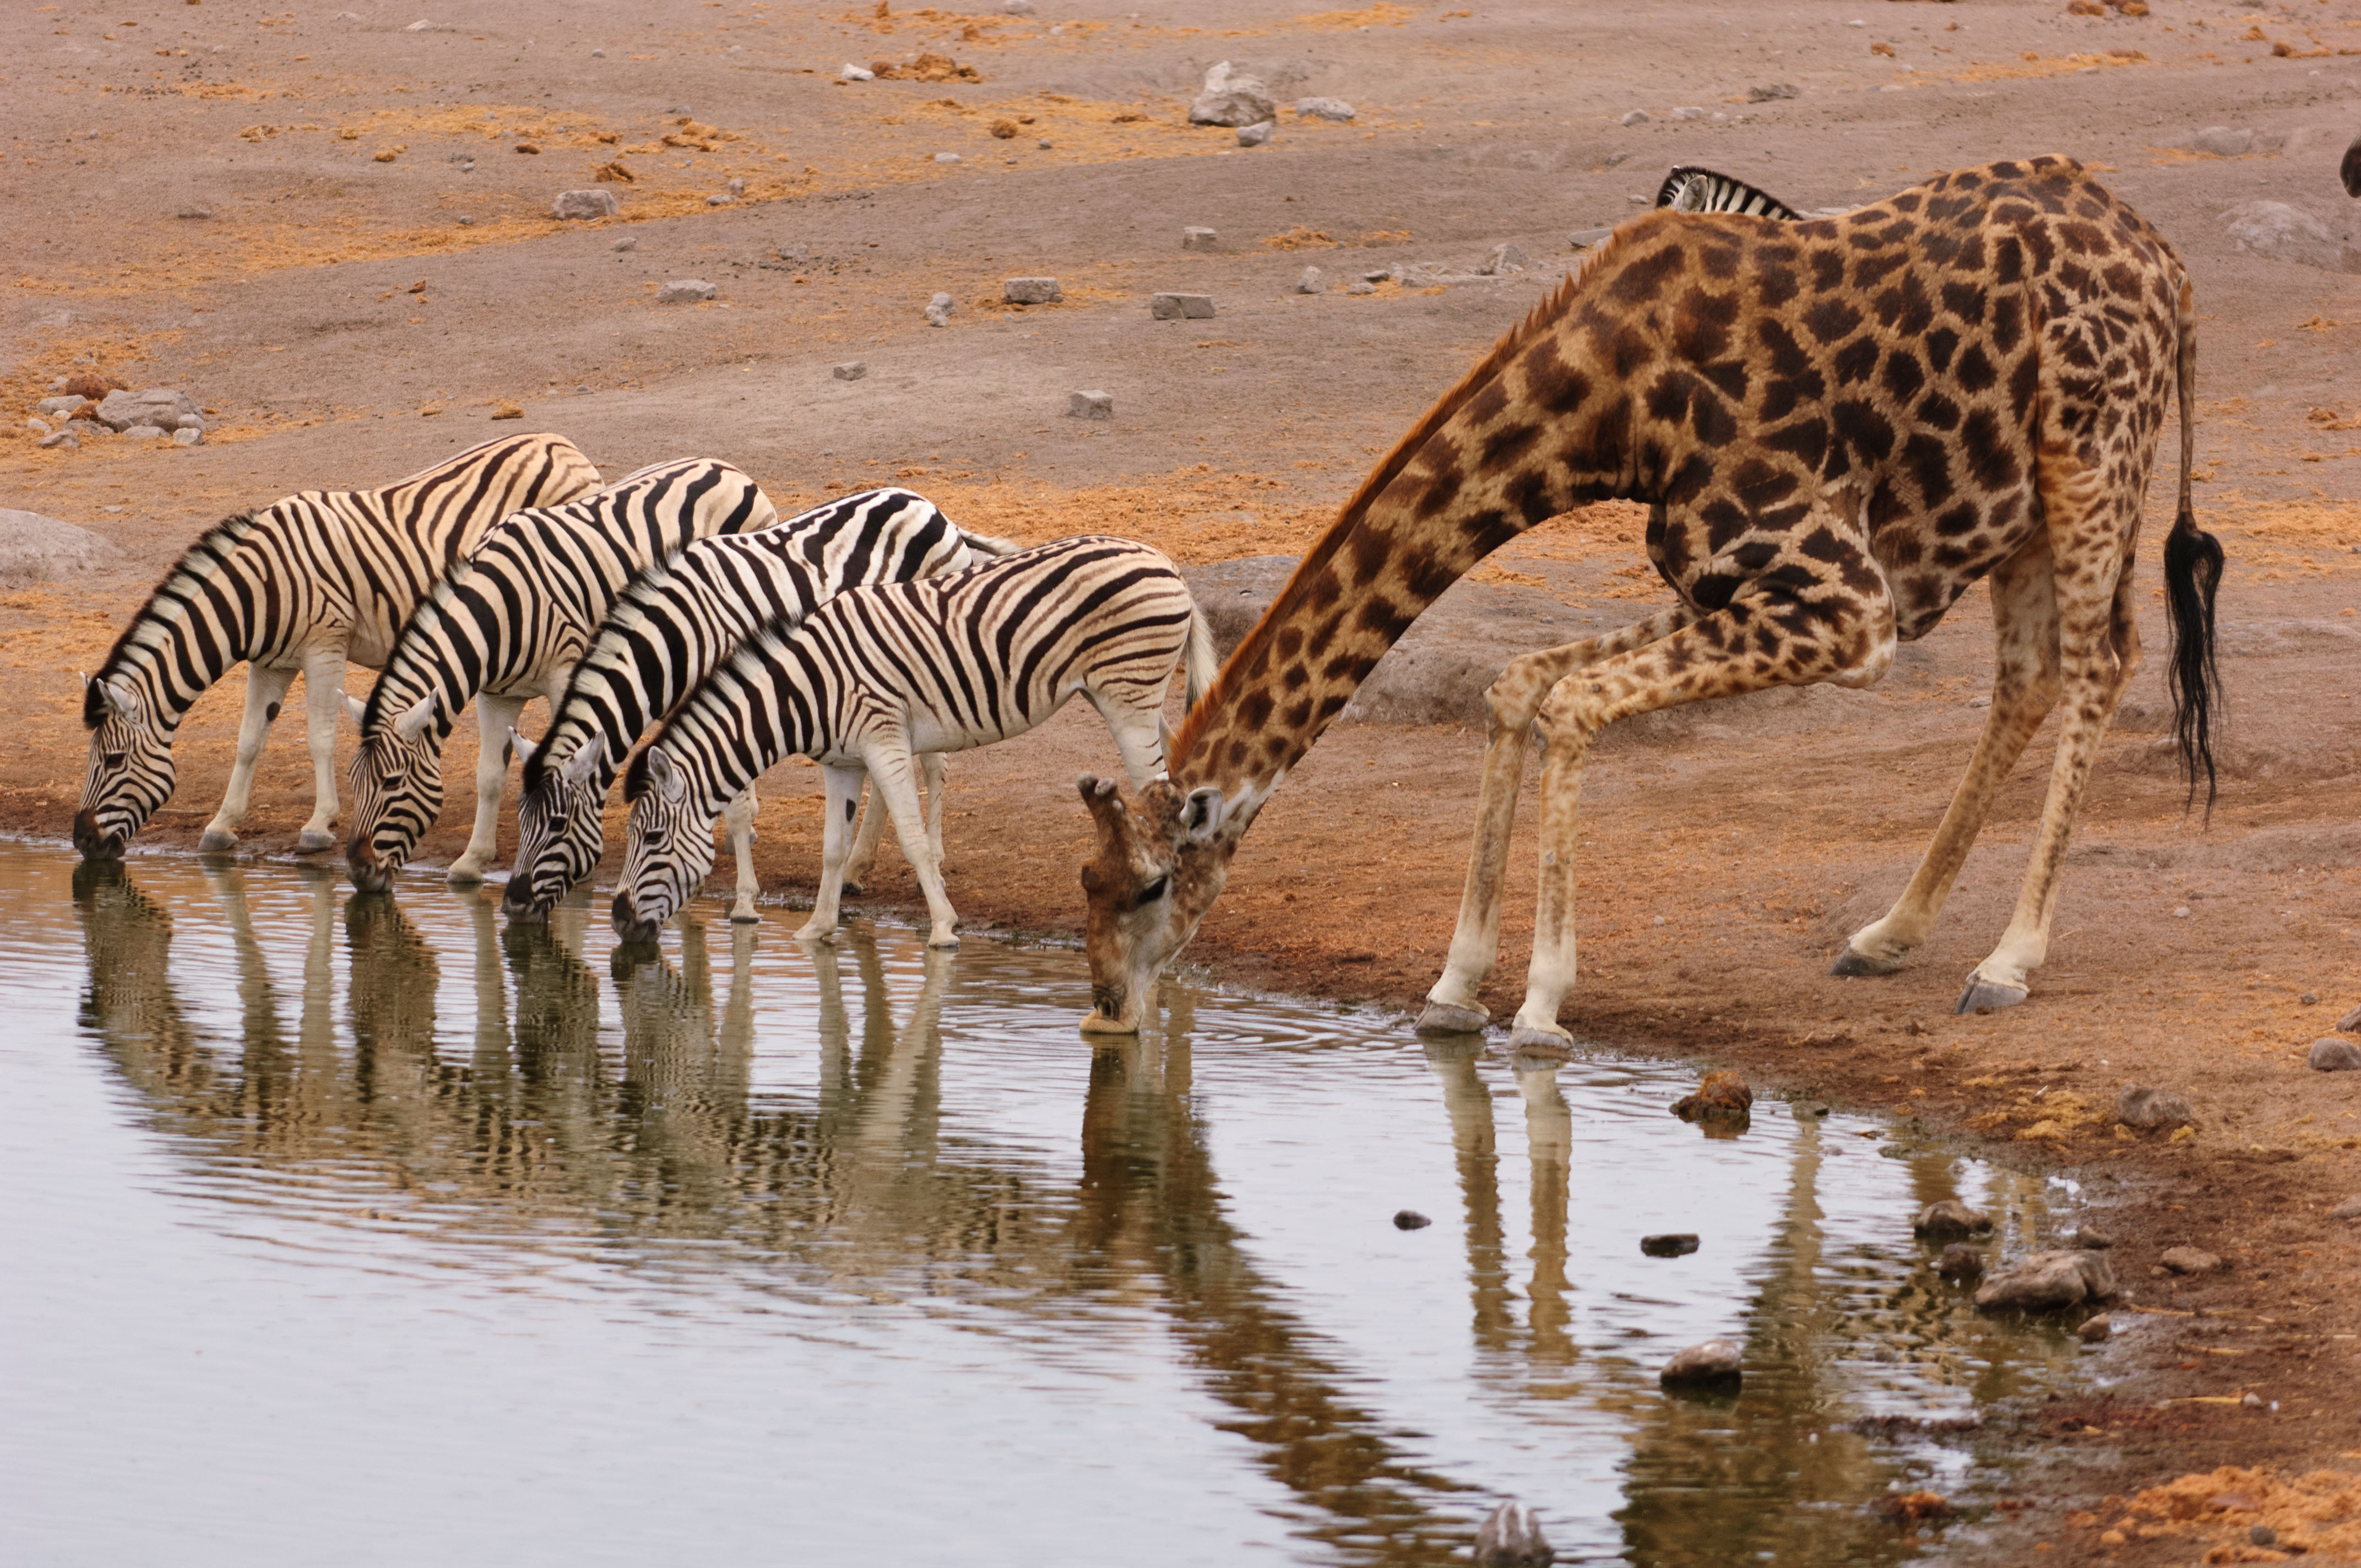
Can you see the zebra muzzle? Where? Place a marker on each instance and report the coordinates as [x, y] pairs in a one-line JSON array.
[[628, 924], [93, 844]]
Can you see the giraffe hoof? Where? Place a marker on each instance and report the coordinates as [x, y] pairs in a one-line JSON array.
[[311, 841], [1853, 963], [1554, 1044], [1987, 996], [216, 842], [1444, 1018], [852, 888]]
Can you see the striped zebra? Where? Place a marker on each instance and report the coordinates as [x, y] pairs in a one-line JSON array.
[[1689, 189], [298, 588], [506, 625], [666, 634], [879, 673]]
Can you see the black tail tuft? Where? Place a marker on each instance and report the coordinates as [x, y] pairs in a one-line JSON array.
[[2193, 571]]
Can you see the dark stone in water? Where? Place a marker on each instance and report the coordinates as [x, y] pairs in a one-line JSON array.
[[2090, 1238], [1410, 1220], [1720, 1096], [1960, 1261], [1676, 1245], [1950, 1218], [1714, 1363]]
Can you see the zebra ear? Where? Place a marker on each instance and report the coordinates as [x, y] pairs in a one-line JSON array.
[[355, 708], [582, 765], [120, 696], [521, 746], [664, 776], [414, 719]]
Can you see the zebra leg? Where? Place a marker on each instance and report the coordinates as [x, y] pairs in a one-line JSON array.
[[889, 771], [844, 801], [495, 717], [1138, 732], [264, 689], [864, 846], [739, 814], [931, 765], [324, 702]]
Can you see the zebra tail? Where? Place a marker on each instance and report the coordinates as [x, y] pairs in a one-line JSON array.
[[1203, 662]]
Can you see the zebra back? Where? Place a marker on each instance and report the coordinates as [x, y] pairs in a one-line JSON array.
[[539, 583], [1689, 189], [963, 660], [676, 621], [260, 583]]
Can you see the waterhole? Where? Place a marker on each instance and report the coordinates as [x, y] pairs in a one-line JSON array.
[[380, 1230]]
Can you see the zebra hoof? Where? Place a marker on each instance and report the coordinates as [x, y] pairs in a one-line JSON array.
[[311, 841], [465, 875], [745, 915], [1552, 1043], [1443, 1019], [943, 943], [216, 842], [1854, 964], [1988, 997]]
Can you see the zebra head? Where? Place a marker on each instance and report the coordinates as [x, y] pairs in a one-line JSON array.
[[130, 766], [397, 784], [669, 850], [559, 837], [1157, 872]]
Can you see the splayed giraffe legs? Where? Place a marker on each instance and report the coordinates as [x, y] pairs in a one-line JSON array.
[[1511, 704]]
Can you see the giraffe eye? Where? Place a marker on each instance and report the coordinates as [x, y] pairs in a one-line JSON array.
[[1153, 890]]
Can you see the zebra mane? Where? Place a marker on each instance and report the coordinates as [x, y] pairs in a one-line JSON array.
[[1690, 189], [568, 712], [167, 606], [771, 635], [404, 661]]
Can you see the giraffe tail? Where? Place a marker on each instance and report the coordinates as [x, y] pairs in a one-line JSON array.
[[2192, 572]]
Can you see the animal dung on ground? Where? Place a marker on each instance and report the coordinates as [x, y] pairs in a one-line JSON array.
[[1031, 291], [1510, 1537], [1090, 405], [686, 291], [1716, 1364], [1721, 1096], [1410, 1220], [1200, 239], [1180, 307], [2049, 1281], [1950, 1218], [2152, 1109], [1672, 1243], [851, 370], [2330, 1054]]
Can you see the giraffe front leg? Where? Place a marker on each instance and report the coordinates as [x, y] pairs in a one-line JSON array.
[[739, 817], [1548, 979], [843, 786], [323, 701], [495, 717], [265, 689]]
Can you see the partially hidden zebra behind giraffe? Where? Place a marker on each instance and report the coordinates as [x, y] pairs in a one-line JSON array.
[[666, 632], [300, 586], [504, 626], [877, 674], [1841, 425]]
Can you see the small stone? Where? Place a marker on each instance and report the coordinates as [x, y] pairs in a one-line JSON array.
[[2348, 1209], [1043, 145], [64, 439], [598, 54], [1016, 7], [37, 426], [1950, 1218], [572, 206], [947, 158], [1674, 1244], [1257, 135], [2095, 1329], [1200, 239], [1313, 281], [1686, 114], [144, 432], [628, 242], [509, 411], [856, 73], [2224, 142], [2309, 999], [1721, 1096], [68, 406], [1960, 1261], [2290, 234], [2152, 1109], [466, 220], [1232, 98], [188, 435], [1583, 239], [686, 291], [1716, 1361], [166, 407], [1383, 275], [1774, 90], [1636, 118], [1180, 307], [1505, 260], [851, 370], [2090, 1238], [1031, 291], [2252, 1401], [2351, 1023], [2261, 1535], [939, 310], [720, 199], [1510, 1537], [1090, 405], [2189, 1260], [1404, 1218], [2330, 1054], [1322, 109], [1361, 287], [195, 215], [2045, 1281]]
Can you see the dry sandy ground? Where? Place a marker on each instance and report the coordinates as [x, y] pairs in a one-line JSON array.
[[352, 315]]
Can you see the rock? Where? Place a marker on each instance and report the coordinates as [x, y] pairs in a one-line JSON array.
[[166, 407], [851, 370], [1766, 94], [68, 406], [85, 430], [145, 431], [188, 435], [2261, 1535], [1960, 1261], [1583, 239], [2290, 234], [2309, 999], [738, 187], [1232, 98], [509, 411], [2224, 142], [2348, 1209], [573, 204], [939, 310], [37, 426], [686, 291], [1090, 405], [1313, 281], [1504, 260], [1257, 135], [1636, 118], [34, 548], [2093, 1239], [2045, 1281], [1950, 1218], [2152, 1109], [1016, 7], [1916, 1507], [2252, 1401], [195, 215], [720, 199], [65, 439], [2189, 1260], [2330, 1054], [1043, 145], [1510, 1537], [1200, 239], [1675, 1244], [1716, 1361], [1322, 109], [1686, 114], [2351, 1023], [1361, 287], [1031, 291], [2094, 1330], [1404, 1218], [628, 242], [1721, 1095], [852, 72], [947, 158], [1180, 307]]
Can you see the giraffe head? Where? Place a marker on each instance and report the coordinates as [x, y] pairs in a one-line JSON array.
[[1159, 866]]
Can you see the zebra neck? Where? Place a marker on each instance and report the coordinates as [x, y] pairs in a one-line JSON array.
[[199, 624]]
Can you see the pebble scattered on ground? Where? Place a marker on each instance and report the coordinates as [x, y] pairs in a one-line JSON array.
[[2094, 1330], [1313, 281], [2093, 1239], [686, 291], [2221, 141], [572, 206], [939, 310], [851, 370], [2285, 233], [1322, 109], [1194, 238]]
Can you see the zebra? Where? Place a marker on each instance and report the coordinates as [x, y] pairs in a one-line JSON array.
[[665, 635], [299, 587], [1689, 189], [878, 673], [506, 625]]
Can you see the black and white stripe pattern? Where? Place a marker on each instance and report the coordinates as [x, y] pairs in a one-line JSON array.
[[298, 588], [507, 625], [1689, 189], [668, 630], [878, 674]]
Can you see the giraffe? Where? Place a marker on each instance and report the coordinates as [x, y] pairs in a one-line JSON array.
[[1841, 425]]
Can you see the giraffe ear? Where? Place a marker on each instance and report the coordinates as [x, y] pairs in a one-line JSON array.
[[1201, 814], [414, 719]]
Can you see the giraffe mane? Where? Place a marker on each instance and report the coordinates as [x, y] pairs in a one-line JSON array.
[[1229, 682]]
